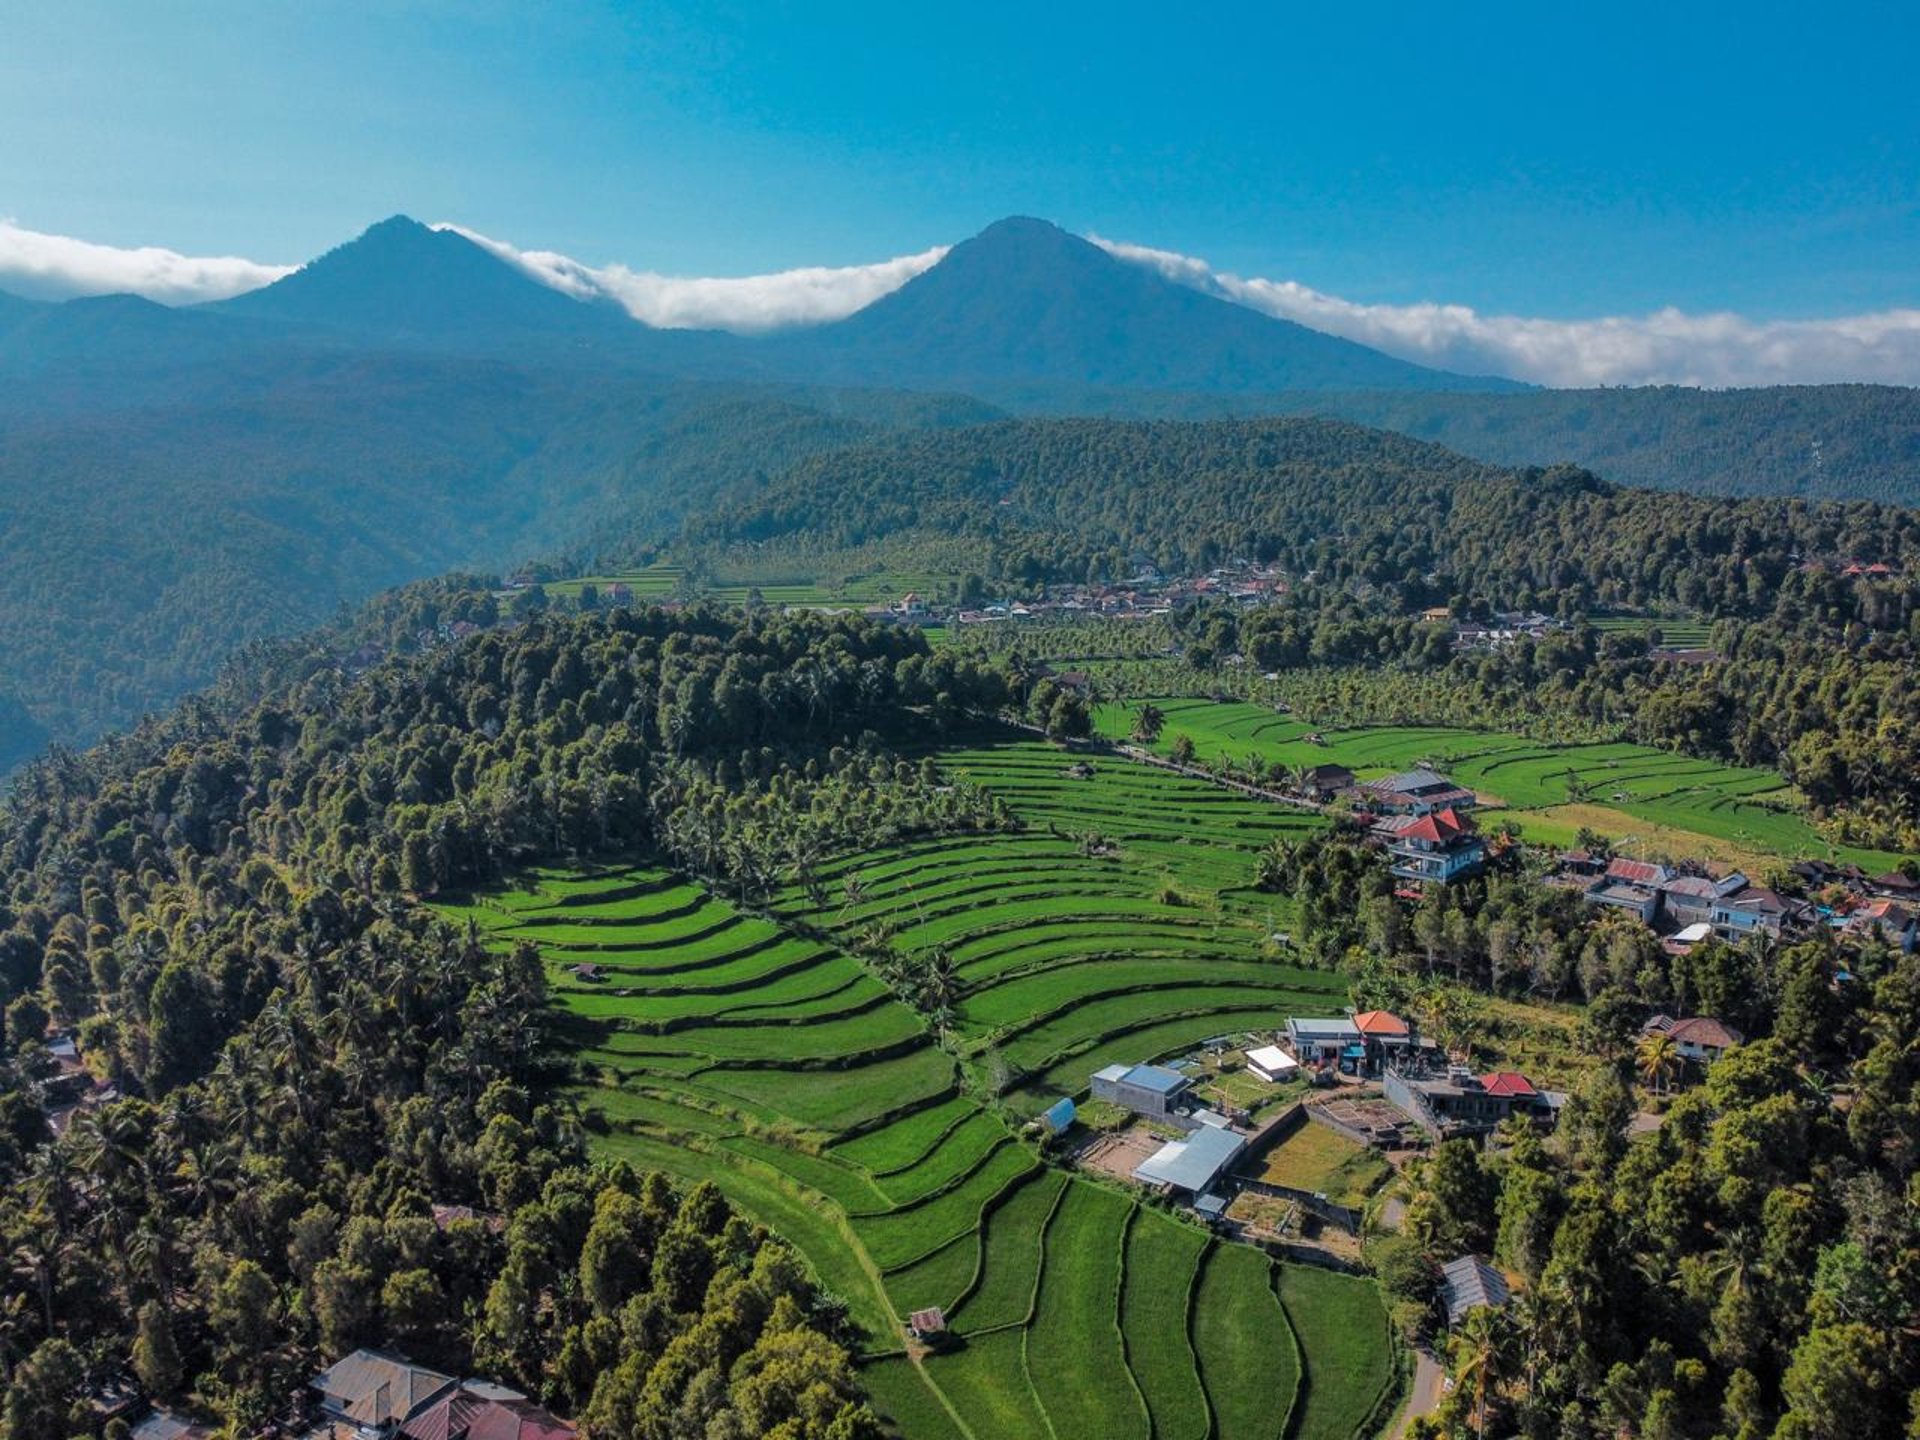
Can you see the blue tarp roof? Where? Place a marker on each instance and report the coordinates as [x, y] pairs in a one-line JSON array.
[[1059, 1115], [1155, 1077], [1191, 1164]]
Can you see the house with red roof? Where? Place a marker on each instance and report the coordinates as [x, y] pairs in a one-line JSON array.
[[480, 1411], [1431, 848], [1467, 1104]]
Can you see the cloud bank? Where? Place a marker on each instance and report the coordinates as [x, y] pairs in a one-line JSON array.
[[1669, 346], [746, 305], [59, 267]]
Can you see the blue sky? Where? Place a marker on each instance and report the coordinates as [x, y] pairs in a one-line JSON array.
[[1521, 159]]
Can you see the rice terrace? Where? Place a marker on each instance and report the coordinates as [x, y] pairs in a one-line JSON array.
[[763, 1052], [1635, 794]]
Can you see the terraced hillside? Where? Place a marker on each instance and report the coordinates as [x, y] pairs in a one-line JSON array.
[[1633, 793], [1119, 925], [725, 1046]]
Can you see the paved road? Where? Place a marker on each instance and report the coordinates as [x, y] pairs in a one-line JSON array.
[[1427, 1376]]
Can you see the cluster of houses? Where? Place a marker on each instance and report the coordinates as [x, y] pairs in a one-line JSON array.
[[1688, 908], [1148, 593], [1500, 629], [1444, 1100], [378, 1395]]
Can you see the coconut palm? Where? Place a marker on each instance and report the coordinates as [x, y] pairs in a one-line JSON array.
[[1148, 724], [1478, 1353], [1659, 1060]]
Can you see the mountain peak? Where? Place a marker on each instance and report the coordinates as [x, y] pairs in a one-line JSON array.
[[401, 281], [1025, 306]]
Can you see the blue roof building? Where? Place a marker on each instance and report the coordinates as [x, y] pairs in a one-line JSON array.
[[1144, 1089], [1059, 1115]]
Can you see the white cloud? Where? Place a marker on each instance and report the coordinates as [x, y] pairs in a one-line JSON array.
[[747, 305], [58, 267], [1669, 346]]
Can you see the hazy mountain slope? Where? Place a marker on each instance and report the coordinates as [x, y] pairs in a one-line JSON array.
[[1830, 442], [1025, 304], [148, 543]]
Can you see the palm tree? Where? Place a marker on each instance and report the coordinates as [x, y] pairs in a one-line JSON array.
[[1477, 1346], [1659, 1060], [1148, 723]]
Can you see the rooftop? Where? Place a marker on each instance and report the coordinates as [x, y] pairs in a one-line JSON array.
[[1470, 1282], [1410, 782], [1380, 1022], [375, 1388], [1193, 1163], [1156, 1078]]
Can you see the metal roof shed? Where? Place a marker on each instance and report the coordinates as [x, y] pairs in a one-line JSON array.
[[1192, 1164]]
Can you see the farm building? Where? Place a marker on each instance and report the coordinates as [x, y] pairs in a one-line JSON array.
[[1323, 782], [1270, 1063], [1058, 1117], [1469, 1283], [1193, 1164], [1151, 1090], [928, 1323]]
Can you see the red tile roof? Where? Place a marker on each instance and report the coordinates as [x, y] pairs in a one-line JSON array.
[[1379, 1022], [1510, 1083], [1440, 826]]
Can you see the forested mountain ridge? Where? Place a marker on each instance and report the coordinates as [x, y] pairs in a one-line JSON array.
[[1819, 442], [149, 542], [1092, 497]]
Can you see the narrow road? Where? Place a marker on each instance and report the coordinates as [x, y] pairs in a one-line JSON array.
[[1425, 1395]]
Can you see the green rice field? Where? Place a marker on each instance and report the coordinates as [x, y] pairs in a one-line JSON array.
[[1632, 793], [726, 1046]]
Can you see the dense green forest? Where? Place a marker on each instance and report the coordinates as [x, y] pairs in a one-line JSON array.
[[219, 905], [149, 543], [1819, 442]]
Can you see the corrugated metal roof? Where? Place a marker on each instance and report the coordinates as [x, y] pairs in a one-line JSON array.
[[1156, 1078], [1191, 1164], [1469, 1282]]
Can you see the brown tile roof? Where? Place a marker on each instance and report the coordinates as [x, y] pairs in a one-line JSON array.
[[1704, 1030], [378, 1389]]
